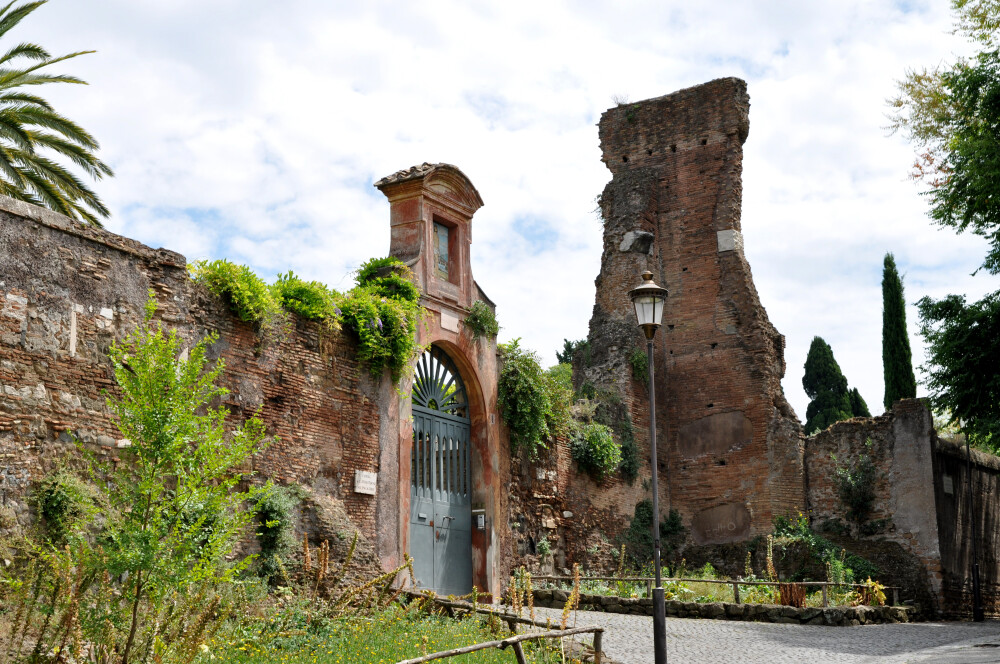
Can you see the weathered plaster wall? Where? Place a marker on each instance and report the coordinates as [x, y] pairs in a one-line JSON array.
[[731, 451]]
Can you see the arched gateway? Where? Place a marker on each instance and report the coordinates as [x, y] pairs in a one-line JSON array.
[[440, 477], [447, 508]]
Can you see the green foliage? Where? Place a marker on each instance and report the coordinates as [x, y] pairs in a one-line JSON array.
[[31, 130], [841, 566], [311, 300], [897, 363], [629, 466], [63, 501], [639, 361], [952, 114], [826, 386], [856, 485], [595, 450], [559, 385], [275, 530], [383, 311], [246, 294], [175, 495], [963, 356], [569, 350], [858, 406], [481, 321], [523, 397], [544, 548], [638, 537]]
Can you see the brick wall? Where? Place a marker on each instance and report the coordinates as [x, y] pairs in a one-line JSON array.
[[66, 292], [730, 444]]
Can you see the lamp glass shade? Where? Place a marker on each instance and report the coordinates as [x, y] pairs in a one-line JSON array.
[[648, 309]]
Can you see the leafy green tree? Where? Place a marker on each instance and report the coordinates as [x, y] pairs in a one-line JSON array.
[[569, 349], [897, 363], [858, 406], [176, 493], [30, 128], [952, 115], [826, 386], [963, 360]]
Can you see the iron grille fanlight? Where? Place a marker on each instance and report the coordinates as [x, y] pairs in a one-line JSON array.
[[438, 386]]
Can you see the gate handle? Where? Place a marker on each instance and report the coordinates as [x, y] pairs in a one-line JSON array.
[[448, 518]]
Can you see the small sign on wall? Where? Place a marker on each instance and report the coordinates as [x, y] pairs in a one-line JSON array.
[[364, 482]]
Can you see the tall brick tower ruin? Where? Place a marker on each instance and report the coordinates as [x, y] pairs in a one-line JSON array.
[[730, 445]]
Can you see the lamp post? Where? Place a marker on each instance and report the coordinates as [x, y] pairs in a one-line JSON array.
[[648, 300]]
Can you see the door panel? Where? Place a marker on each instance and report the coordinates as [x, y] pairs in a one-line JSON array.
[[440, 479]]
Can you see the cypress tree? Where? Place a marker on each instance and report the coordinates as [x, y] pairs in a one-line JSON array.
[[826, 385], [858, 406], [897, 363]]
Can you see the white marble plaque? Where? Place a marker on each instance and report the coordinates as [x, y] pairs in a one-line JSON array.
[[449, 321], [364, 482]]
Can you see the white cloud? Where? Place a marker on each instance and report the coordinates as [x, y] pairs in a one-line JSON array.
[[254, 130]]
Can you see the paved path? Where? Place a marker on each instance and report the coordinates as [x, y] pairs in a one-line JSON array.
[[628, 639]]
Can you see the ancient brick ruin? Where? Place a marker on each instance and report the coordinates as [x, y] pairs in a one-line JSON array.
[[732, 454]]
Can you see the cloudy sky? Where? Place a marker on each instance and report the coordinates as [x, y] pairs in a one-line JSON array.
[[253, 130]]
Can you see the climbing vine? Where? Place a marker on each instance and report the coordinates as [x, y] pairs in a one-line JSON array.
[[382, 311], [481, 321]]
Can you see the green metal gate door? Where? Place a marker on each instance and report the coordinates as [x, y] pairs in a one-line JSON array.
[[440, 480]]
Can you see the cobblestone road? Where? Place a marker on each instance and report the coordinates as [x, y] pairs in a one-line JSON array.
[[628, 639]]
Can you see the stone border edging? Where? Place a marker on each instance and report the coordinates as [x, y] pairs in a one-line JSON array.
[[841, 616]]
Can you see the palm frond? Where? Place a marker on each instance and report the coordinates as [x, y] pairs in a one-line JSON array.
[[41, 117], [9, 19], [23, 98], [25, 50], [80, 156], [11, 129]]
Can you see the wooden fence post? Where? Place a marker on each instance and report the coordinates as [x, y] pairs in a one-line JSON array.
[[649, 588], [895, 596], [598, 635], [519, 653], [736, 593], [826, 601]]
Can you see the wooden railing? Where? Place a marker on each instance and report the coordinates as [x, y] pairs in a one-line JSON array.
[[735, 584], [513, 642]]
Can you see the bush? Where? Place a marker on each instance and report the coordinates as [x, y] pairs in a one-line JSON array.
[[309, 299], [275, 530], [523, 398], [383, 310], [595, 450], [62, 500], [638, 537], [639, 361], [481, 321], [856, 485], [559, 385], [247, 295]]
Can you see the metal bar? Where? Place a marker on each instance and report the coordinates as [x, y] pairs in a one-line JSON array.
[[659, 609], [978, 615]]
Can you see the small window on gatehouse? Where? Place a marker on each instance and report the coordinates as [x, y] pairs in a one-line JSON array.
[[441, 250]]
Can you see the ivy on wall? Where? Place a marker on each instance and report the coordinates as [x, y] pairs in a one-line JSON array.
[[383, 310]]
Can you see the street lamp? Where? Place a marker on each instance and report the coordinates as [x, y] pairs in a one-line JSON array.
[[648, 300]]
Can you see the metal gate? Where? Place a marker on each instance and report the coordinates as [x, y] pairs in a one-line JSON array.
[[440, 479]]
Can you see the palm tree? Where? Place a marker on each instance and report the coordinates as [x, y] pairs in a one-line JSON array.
[[29, 126]]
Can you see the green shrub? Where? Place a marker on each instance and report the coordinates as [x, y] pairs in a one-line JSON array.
[[481, 321], [629, 467], [594, 449], [856, 485], [247, 295], [62, 500], [638, 537], [523, 398], [311, 300], [559, 385], [275, 530], [639, 361], [383, 310]]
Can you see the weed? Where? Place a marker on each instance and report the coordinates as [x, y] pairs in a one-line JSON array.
[[482, 321]]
